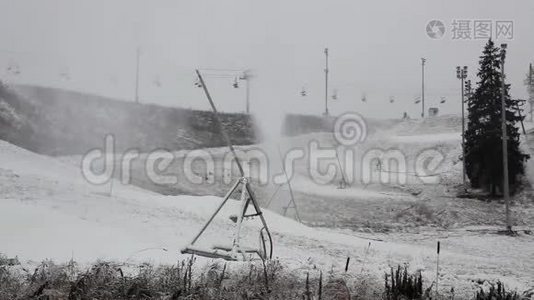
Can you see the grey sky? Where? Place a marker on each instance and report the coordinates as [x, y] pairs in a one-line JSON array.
[[375, 48]]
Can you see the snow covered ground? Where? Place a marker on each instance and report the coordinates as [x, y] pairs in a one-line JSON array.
[[47, 210]]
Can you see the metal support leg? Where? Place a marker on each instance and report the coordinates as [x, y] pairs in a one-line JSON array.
[[235, 251], [264, 223], [216, 211], [244, 204]]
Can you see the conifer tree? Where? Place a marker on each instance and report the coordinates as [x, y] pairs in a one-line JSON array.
[[483, 137]]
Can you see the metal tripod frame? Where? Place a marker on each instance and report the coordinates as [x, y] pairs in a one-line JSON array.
[[235, 251]]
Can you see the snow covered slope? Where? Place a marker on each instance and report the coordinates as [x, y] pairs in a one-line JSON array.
[[47, 210]]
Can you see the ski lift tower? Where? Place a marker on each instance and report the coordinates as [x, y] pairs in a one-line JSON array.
[[137, 61], [531, 89], [423, 61], [461, 73], [246, 77], [326, 82]]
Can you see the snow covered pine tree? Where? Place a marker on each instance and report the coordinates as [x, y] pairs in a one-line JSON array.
[[483, 137]]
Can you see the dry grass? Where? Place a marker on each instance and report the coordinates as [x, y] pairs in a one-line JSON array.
[[217, 280], [185, 280]]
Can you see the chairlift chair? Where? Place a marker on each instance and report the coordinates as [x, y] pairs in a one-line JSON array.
[[13, 68], [334, 95], [236, 83], [64, 76]]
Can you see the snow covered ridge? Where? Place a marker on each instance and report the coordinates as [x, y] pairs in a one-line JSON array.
[[69, 123], [349, 154], [64, 122]]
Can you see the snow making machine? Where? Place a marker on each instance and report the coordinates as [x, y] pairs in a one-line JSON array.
[[234, 251]]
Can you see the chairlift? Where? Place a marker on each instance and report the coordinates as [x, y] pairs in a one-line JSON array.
[[13, 68], [364, 98], [391, 99], [334, 95], [236, 83], [64, 75], [417, 100], [443, 100], [198, 84], [303, 92]]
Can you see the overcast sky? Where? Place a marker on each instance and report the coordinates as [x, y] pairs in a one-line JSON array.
[[375, 48]]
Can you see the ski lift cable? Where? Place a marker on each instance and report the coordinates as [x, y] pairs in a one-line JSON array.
[[240, 74], [414, 173], [203, 70]]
